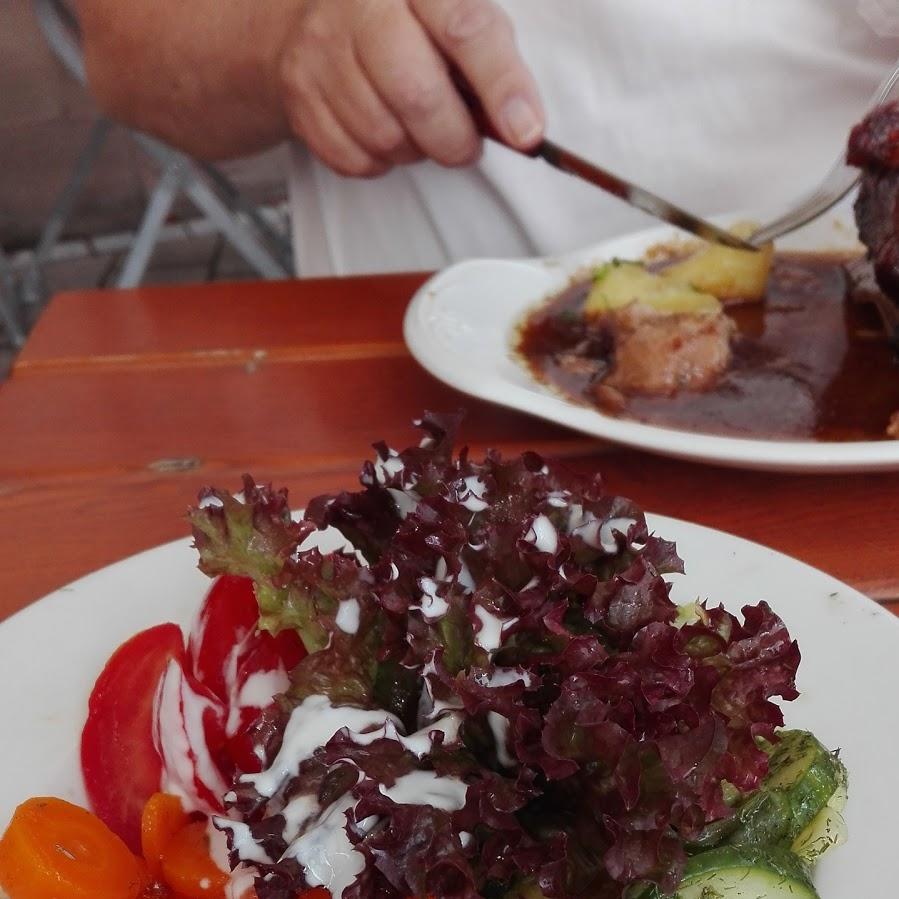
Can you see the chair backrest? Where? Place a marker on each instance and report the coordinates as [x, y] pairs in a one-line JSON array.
[[58, 22]]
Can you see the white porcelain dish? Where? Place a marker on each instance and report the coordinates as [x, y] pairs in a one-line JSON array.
[[461, 327], [51, 652]]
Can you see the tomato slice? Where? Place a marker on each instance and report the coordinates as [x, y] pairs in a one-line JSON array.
[[118, 759], [221, 630], [189, 733], [209, 698], [243, 667]]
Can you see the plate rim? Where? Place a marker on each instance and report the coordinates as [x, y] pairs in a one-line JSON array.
[[856, 604], [820, 457]]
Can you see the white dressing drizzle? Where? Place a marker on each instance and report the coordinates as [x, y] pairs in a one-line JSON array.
[[419, 743], [406, 500], [432, 606], [473, 497], [242, 841], [297, 815], [256, 692], [595, 533], [218, 847], [386, 468], [180, 739], [558, 498], [242, 880], [543, 535], [347, 618], [499, 726], [465, 580], [504, 677], [607, 538], [328, 857], [427, 788], [311, 725], [490, 636]]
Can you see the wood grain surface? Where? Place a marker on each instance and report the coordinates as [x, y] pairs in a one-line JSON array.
[[124, 403]]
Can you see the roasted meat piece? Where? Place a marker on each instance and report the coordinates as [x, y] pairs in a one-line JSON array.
[[661, 354], [874, 148]]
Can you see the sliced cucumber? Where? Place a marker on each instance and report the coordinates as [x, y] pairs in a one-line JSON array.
[[809, 774], [798, 805], [764, 820], [826, 830], [731, 872]]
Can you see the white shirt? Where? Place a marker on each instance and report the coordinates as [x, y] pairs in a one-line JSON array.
[[719, 105]]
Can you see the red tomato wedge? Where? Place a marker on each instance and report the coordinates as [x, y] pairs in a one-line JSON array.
[[220, 632], [202, 730], [118, 759], [189, 735], [243, 667], [224, 645]]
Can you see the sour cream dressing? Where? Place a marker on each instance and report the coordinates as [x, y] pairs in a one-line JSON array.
[[347, 618], [317, 838], [490, 636], [427, 788]]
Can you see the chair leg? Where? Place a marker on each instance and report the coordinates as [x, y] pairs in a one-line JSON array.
[[135, 266], [7, 294], [279, 243], [32, 286], [220, 216]]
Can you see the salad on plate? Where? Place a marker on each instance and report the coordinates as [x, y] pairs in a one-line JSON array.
[[487, 693]]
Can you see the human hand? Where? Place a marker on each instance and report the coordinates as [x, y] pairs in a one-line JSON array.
[[366, 84]]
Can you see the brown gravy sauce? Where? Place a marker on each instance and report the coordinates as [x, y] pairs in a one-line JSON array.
[[811, 362]]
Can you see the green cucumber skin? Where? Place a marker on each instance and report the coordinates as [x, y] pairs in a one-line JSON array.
[[820, 773], [771, 873], [765, 820], [802, 778]]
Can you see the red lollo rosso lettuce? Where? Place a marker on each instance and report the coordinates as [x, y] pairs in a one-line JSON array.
[[593, 729]]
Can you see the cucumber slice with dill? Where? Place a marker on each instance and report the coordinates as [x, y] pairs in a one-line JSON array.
[[798, 805], [810, 776], [745, 872]]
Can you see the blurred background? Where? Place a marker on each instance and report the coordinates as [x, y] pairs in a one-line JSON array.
[[77, 192]]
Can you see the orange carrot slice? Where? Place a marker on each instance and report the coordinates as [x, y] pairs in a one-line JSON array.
[[53, 848], [187, 866], [163, 816]]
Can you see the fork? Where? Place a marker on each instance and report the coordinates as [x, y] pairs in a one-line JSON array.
[[837, 183]]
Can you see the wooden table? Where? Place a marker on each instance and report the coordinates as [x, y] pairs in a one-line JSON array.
[[124, 403]]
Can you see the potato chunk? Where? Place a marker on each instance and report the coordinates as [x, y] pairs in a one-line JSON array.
[[724, 272], [618, 284]]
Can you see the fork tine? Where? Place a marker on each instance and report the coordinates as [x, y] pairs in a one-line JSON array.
[[840, 181], [835, 185]]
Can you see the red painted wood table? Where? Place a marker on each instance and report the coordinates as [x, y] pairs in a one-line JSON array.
[[124, 403]]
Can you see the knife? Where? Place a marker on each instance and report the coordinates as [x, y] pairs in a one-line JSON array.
[[637, 196], [575, 165]]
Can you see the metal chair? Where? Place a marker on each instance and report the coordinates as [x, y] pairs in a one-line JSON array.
[[8, 305], [267, 251]]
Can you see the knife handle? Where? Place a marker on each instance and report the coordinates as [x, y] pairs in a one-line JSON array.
[[481, 119]]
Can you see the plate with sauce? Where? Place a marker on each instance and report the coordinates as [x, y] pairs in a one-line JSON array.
[[52, 651], [811, 385]]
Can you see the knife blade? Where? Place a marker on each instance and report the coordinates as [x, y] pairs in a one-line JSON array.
[[578, 167], [636, 196]]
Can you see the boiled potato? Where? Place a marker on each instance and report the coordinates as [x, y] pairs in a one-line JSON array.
[[618, 284], [724, 272]]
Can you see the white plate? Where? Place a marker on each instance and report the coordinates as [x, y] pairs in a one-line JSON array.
[[461, 327], [51, 652]]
